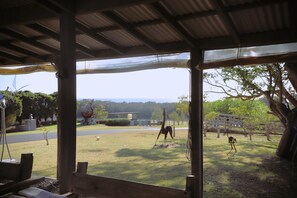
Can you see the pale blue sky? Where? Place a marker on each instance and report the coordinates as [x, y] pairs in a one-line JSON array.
[[162, 84], [165, 84]]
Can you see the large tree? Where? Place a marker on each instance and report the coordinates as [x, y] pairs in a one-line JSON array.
[[28, 103], [182, 107], [13, 107], [277, 83]]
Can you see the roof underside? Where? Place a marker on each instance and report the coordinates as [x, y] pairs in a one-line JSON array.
[[29, 29]]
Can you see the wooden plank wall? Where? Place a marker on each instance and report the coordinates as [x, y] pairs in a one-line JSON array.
[[89, 185]]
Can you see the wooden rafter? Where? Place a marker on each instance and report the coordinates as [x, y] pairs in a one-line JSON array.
[[293, 17], [130, 29], [99, 38], [56, 36], [218, 5], [95, 5], [8, 17], [173, 23], [256, 39], [11, 57], [22, 50], [57, 7], [25, 39], [48, 6], [61, 5], [254, 4], [264, 38], [195, 15]]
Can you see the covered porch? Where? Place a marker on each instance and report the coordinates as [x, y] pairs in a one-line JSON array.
[[52, 35]]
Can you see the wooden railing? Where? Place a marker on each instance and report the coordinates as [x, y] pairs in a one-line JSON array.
[[85, 185]]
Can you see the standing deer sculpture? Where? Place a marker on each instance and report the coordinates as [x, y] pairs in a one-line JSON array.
[[164, 130], [232, 142]]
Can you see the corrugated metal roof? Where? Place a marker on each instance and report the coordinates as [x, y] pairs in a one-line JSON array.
[[25, 30], [238, 2], [261, 19], [136, 13], [160, 33], [11, 52], [90, 42], [206, 27], [122, 37], [51, 42], [178, 7], [31, 48], [94, 20], [147, 27], [11, 4], [4, 37], [52, 24]]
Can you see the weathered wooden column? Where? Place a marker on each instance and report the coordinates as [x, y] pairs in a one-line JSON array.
[[67, 99], [196, 122]]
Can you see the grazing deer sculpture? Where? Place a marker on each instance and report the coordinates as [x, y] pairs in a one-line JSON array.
[[164, 130]]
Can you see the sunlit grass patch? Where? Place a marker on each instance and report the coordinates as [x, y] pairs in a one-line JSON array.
[[253, 170]]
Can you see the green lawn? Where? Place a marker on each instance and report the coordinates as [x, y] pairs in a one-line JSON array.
[[53, 129], [253, 171]]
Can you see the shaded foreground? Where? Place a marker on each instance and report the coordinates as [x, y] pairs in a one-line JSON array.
[[254, 171]]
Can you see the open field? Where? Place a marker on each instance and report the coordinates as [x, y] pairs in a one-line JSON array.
[[253, 171]]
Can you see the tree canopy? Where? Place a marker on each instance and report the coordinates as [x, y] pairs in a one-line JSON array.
[[276, 82], [13, 107]]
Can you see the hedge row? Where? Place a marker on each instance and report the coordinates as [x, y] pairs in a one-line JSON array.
[[117, 122]]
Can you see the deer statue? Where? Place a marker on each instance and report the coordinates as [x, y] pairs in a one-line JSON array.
[[232, 142], [164, 130], [88, 112]]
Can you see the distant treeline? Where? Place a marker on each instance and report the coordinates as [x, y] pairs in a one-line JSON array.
[[144, 109]]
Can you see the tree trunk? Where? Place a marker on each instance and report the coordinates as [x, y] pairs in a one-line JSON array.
[[287, 147]]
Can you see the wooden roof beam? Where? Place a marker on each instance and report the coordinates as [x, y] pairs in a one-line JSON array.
[[293, 17], [48, 6], [85, 6], [218, 5], [130, 29], [247, 40], [8, 16], [11, 57], [99, 38], [25, 39], [57, 7], [173, 23], [22, 50], [251, 5], [56, 36]]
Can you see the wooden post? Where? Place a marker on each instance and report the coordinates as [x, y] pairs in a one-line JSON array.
[[196, 122], [67, 98], [218, 132], [190, 184], [26, 166], [82, 167], [174, 129]]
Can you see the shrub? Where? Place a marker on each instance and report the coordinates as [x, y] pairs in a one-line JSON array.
[[118, 122]]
